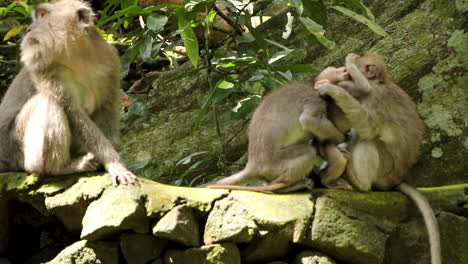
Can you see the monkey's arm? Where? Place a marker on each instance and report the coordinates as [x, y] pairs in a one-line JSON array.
[[359, 79], [318, 125], [360, 118], [99, 145]]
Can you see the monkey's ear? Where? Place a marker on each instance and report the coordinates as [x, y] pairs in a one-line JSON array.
[[372, 71], [85, 16]]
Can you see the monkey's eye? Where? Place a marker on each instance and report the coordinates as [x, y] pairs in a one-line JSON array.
[[41, 12]]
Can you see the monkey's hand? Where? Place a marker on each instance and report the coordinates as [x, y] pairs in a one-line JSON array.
[[120, 174], [331, 90], [320, 83], [351, 59]]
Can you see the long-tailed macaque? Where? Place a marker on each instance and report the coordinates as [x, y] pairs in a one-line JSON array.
[[60, 114], [389, 132], [279, 134]]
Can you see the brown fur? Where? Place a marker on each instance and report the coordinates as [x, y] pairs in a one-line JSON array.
[[60, 114], [279, 151], [389, 134]]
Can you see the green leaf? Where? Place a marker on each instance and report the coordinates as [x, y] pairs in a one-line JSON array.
[[316, 10], [279, 56], [259, 39], [13, 32], [245, 107], [127, 58], [225, 85], [144, 46], [318, 31], [156, 22], [361, 19], [188, 36], [223, 90], [359, 5], [186, 160]]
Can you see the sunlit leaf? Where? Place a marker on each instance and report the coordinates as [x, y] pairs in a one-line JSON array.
[[279, 56], [361, 19], [245, 107], [225, 85], [318, 31], [188, 36], [14, 31], [156, 22]]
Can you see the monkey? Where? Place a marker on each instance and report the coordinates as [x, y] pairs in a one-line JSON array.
[[60, 114], [278, 150], [389, 135]]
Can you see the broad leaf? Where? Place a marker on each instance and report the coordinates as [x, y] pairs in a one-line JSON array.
[[318, 31], [144, 46], [13, 32], [361, 19], [156, 22], [188, 36]]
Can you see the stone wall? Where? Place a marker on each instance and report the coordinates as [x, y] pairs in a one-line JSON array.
[[86, 220]]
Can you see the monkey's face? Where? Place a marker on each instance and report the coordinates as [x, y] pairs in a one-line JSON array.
[[56, 30], [372, 66], [333, 75]]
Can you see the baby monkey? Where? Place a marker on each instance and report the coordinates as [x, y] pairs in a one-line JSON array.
[[279, 134]]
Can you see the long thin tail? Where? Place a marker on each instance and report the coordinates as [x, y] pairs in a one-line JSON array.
[[265, 188], [429, 219]]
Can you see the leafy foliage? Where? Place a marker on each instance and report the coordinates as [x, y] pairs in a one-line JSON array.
[[217, 36]]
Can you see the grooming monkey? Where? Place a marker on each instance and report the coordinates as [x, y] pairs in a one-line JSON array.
[[60, 114], [389, 133], [279, 134]]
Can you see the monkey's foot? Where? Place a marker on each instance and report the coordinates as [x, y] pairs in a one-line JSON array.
[[85, 163], [339, 186], [120, 174], [302, 184]]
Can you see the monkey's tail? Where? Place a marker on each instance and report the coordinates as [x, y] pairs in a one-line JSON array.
[[266, 188], [429, 219]]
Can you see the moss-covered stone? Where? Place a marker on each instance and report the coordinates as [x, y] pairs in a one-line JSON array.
[[140, 248], [179, 225], [84, 252], [347, 234], [70, 206], [118, 209], [226, 253], [161, 198], [243, 214], [18, 182]]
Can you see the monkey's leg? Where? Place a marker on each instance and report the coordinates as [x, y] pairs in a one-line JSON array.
[[46, 137], [107, 119], [337, 159], [293, 164], [97, 143], [364, 168]]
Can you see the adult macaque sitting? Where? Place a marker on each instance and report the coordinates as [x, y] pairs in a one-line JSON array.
[[60, 115]]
